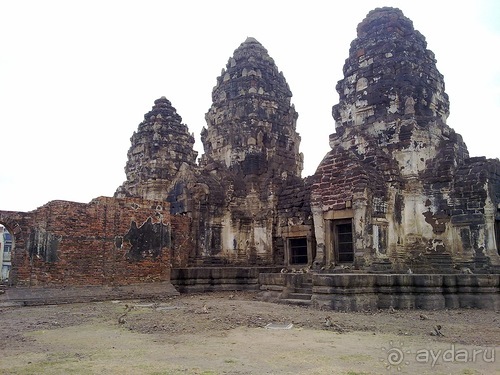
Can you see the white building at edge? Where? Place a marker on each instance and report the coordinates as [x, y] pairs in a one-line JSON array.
[[5, 253]]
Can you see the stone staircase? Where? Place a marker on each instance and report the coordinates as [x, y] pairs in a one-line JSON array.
[[299, 295]]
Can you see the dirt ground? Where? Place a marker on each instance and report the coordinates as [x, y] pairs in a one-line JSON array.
[[225, 333]]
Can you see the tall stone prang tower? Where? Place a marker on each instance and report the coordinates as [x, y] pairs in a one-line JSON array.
[[159, 148], [389, 74], [252, 147], [251, 124], [398, 180]]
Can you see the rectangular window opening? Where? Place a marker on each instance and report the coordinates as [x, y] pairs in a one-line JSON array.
[[298, 250], [344, 242]]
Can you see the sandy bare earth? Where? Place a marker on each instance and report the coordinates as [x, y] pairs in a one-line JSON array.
[[224, 333]]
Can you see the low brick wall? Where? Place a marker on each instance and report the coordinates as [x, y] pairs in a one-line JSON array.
[[38, 295], [356, 292], [109, 241], [209, 279]]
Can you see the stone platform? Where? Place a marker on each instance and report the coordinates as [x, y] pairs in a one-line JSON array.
[[27, 296], [357, 292], [210, 279]]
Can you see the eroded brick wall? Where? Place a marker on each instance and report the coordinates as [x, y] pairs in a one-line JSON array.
[[109, 241], [182, 243]]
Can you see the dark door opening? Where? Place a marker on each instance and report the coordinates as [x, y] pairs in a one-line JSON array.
[[298, 250], [344, 245]]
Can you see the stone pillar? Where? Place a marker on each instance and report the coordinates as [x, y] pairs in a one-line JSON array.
[[360, 222], [319, 232], [490, 245]]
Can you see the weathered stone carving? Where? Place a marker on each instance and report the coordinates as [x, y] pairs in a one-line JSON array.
[[389, 71], [251, 154]]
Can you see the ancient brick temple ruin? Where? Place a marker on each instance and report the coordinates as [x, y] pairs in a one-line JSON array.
[[398, 189], [239, 197], [396, 194]]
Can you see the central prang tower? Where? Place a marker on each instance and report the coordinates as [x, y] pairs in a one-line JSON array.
[[252, 147], [251, 123]]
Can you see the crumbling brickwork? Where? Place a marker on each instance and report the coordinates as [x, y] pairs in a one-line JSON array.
[[106, 242], [183, 244]]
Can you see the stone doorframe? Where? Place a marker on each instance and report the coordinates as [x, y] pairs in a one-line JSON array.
[[330, 218], [295, 232]]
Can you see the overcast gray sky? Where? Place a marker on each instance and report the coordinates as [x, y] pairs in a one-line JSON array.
[[77, 77]]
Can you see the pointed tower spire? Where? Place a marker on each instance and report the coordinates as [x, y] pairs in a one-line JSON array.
[[390, 74], [158, 149], [251, 123]]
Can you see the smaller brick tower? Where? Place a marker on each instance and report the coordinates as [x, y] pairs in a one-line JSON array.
[[161, 145]]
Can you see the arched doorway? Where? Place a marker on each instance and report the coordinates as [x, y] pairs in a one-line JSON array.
[[12, 254]]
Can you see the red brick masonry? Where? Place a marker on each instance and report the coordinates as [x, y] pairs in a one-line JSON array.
[[109, 241]]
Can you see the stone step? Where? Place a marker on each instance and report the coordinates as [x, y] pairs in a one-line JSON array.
[[297, 302], [214, 262], [304, 290], [303, 296]]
